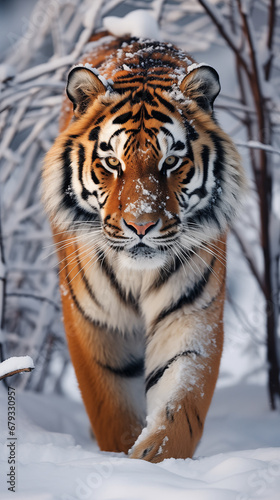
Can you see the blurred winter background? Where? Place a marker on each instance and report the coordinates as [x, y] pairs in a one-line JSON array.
[[40, 40]]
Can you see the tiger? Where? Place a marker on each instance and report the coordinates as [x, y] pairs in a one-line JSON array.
[[141, 187]]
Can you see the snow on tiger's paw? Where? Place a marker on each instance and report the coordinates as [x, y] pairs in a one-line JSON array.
[[169, 434], [151, 446]]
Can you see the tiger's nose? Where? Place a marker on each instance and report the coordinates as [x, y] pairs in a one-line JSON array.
[[140, 229]]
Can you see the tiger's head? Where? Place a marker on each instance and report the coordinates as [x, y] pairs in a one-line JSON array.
[[143, 169]]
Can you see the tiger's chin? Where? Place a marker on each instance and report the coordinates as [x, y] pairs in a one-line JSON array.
[[142, 258]]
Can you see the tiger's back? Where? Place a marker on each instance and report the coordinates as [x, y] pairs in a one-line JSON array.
[[141, 186]]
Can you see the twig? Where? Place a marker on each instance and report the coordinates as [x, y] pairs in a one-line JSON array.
[[270, 35], [247, 254], [257, 145], [224, 30]]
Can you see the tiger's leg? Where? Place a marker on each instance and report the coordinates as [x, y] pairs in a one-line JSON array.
[[106, 389], [109, 365], [182, 363]]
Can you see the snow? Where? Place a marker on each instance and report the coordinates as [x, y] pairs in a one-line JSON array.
[[140, 23], [6, 72], [18, 363], [238, 457]]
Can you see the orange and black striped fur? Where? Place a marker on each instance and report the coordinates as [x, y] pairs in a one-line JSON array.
[[141, 186]]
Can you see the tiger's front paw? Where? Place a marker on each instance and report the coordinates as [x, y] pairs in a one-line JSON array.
[[151, 446], [170, 435]]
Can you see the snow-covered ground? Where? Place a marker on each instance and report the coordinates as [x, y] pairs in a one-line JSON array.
[[237, 459]]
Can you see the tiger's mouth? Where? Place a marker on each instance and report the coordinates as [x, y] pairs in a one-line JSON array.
[[143, 257], [142, 250]]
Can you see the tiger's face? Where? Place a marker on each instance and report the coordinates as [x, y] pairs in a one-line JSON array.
[[153, 172]]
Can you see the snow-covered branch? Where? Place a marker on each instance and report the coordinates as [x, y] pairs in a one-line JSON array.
[[15, 365], [257, 145]]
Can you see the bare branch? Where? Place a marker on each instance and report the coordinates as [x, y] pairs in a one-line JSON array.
[[249, 258], [270, 36], [225, 31], [257, 145]]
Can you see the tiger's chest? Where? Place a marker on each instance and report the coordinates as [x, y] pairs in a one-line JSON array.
[[131, 301]]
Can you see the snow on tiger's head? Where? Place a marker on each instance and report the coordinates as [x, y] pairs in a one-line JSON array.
[[143, 157]]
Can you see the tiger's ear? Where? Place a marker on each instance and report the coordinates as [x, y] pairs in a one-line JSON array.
[[202, 84], [83, 86]]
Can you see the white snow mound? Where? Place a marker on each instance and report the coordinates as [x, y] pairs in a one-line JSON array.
[[140, 23], [238, 457]]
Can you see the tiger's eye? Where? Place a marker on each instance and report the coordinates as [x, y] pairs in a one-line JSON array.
[[171, 160], [112, 162]]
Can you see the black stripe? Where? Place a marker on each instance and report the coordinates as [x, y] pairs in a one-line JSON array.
[[98, 324], [100, 119], [129, 79], [154, 377], [119, 105], [147, 116], [82, 158], [178, 146], [176, 221], [189, 297], [67, 171], [73, 296], [190, 150], [168, 133], [129, 142], [93, 135], [200, 425], [192, 134], [162, 87], [102, 204], [189, 176], [205, 216], [181, 200], [67, 193], [124, 90], [135, 368], [148, 144], [146, 451], [219, 163], [137, 117], [95, 179], [152, 133], [81, 161], [123, 118], [159, 80], [127, 299], [188, 420], [202, 192], [86, 283], [165, 103], [115, 134], [162, 117], [214, 298], [105, 147], [165, 274], [145, 96]]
